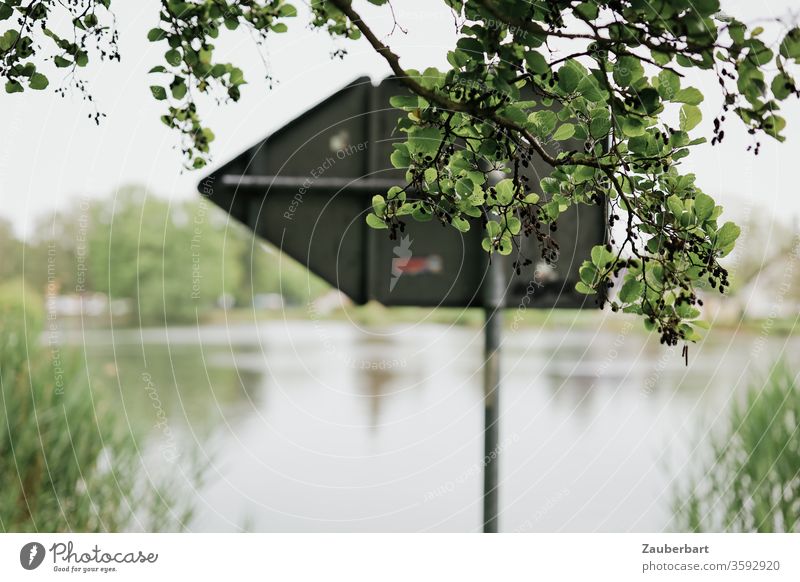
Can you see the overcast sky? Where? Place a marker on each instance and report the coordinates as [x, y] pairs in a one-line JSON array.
[[50, 153]]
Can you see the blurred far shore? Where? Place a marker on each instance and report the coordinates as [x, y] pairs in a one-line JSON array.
[[138, 260]]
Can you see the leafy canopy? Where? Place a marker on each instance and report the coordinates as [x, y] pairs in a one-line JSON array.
[[619, 87]]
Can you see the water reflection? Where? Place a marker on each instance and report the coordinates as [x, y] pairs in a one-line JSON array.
[[380, 429]]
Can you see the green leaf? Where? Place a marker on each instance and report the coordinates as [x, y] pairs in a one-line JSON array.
[[156, 34], [376, 222], [13, 87], [686, 311], [173, 57], [688, 95], [650, 100], [639, 144], [378, 204], [493, 228], [727, 235], [587, 272], [177, 8], [457, 58], [600, 126], [582, 174], [421, 216], [236, 76], [506, 246], [587, 10], [675, 206], [544, 120], [38, 82], [689, 117], [589, 89], [424, 140], [790, 45], [536, 62], [689, 333], [404, 101], [661, 58], [565, 131], [515, 115], [669, 84], [705, 7], [470, 45], [601, 256], [395, 193], [8, 39], [583, 288], [631, 290], [703, 206], [464, 187], [400, 159], [569, 77], [505, 191], [158, 92], [178, 90], [430, 76], [782, 86], [514, 225], [627, 71], [632, 126], [405, 209], [460, 224], [550, 185], [773, 125]]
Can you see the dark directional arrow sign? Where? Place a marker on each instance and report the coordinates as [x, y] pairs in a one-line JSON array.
[[308, 187]]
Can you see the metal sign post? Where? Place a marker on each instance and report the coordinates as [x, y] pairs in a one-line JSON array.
[[494, 301]]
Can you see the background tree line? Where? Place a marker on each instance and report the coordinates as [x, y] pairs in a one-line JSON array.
[[171, 261]]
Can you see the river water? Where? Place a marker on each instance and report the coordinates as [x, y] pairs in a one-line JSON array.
[[332, 426]]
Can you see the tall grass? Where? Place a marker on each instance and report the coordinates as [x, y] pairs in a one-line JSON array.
[[750, 480], [68, 461]]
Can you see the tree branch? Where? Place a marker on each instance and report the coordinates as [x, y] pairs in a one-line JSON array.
[[434, 97]]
